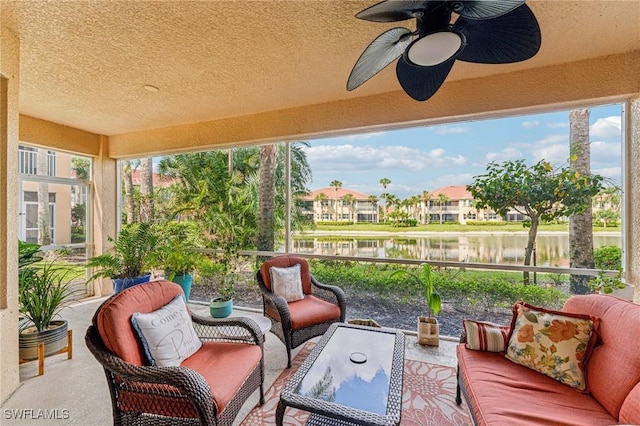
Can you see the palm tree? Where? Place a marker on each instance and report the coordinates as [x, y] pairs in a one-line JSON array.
[[321, 198], [336, 184], [374, 205], [351, 200], [384, 182], [267, 197], [581, 224], [442, 201], [146, 190], [129, 199], [44, 223], [426, 197]]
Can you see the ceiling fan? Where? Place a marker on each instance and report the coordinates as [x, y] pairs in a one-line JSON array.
[[480, 31]]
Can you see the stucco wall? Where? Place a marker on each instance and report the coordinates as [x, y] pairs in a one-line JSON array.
[[9, 73], [632, 196]]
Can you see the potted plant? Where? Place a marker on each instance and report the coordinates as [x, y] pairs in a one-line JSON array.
[[177, 254], [130, 262], [224, 276], [44, 288], [428, 327]]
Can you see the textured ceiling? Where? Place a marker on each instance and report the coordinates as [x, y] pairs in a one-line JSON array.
[[84, 64]]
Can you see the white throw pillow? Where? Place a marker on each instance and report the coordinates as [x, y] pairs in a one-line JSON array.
[[167, 335], [287, 282]]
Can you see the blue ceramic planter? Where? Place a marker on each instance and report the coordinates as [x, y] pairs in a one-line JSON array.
[[120, 284], [184, 281], [220, 309]]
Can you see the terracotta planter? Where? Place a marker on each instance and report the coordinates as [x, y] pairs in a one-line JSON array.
[[54, 339], [428, 331]]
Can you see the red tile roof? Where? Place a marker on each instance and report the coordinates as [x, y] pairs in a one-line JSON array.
[[332, 194], [452, 192]]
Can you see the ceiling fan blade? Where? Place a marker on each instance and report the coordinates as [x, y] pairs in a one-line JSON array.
[[421, 83], [391, 10], [483, 9], [386, 48], [513, 37]]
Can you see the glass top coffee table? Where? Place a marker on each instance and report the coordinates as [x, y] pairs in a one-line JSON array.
[[352, 376]]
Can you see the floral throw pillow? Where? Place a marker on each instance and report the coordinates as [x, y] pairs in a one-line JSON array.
[[557, 344]]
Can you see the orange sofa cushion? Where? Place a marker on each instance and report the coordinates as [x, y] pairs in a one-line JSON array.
[[113, 318], [614, 367], [505, 393]]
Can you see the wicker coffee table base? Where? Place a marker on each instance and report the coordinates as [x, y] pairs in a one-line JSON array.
[[326, 413]]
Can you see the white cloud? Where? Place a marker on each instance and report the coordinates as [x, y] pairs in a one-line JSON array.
[[606, 151], [608, 127], [614, 173], [530, 124], [445, 130], [508, 153], [454, 179], [324, 158], [553, 148]]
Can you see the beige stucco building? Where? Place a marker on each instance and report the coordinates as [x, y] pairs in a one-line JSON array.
[[116, 80], [339, 205]]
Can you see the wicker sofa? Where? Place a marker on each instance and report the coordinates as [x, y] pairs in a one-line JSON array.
[[500, 392]]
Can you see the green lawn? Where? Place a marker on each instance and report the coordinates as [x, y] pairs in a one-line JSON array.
[[453, 227]]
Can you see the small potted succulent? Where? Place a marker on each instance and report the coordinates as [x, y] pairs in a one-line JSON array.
[[428, 327]]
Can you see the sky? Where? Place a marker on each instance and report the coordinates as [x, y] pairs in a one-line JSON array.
[[427, 158]]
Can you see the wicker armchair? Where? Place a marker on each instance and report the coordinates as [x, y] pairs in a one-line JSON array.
[[296, 322], [208, 388]]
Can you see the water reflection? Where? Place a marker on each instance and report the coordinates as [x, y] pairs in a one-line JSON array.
[[505, 248], [335, 378]]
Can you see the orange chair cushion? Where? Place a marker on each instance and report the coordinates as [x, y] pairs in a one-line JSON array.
[[310, 311], [225, 366], [287, 261], [113, 318]]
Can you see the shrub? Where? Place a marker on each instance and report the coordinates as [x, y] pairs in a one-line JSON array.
[[608, 258]]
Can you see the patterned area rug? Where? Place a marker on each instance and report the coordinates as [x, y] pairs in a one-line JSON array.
[[428, 397]]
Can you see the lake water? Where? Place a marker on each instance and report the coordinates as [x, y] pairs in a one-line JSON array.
[[552, 249]]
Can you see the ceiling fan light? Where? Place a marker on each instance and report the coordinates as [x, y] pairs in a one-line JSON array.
[[435, 48]]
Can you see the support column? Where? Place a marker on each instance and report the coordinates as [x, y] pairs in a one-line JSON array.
[[631, 231], [9, 116], [105, 208]]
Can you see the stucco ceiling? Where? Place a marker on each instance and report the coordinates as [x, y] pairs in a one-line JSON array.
[[85, 64]]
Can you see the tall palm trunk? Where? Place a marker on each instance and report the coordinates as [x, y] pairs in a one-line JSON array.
[[267, 197], [129, 202], [529, 251], [580, 225], [44, 225], [146, 190]]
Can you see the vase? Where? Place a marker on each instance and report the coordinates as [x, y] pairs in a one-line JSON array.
[[219, 308], [120, 284], [54, 339], [184, 281], [428, 331]]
